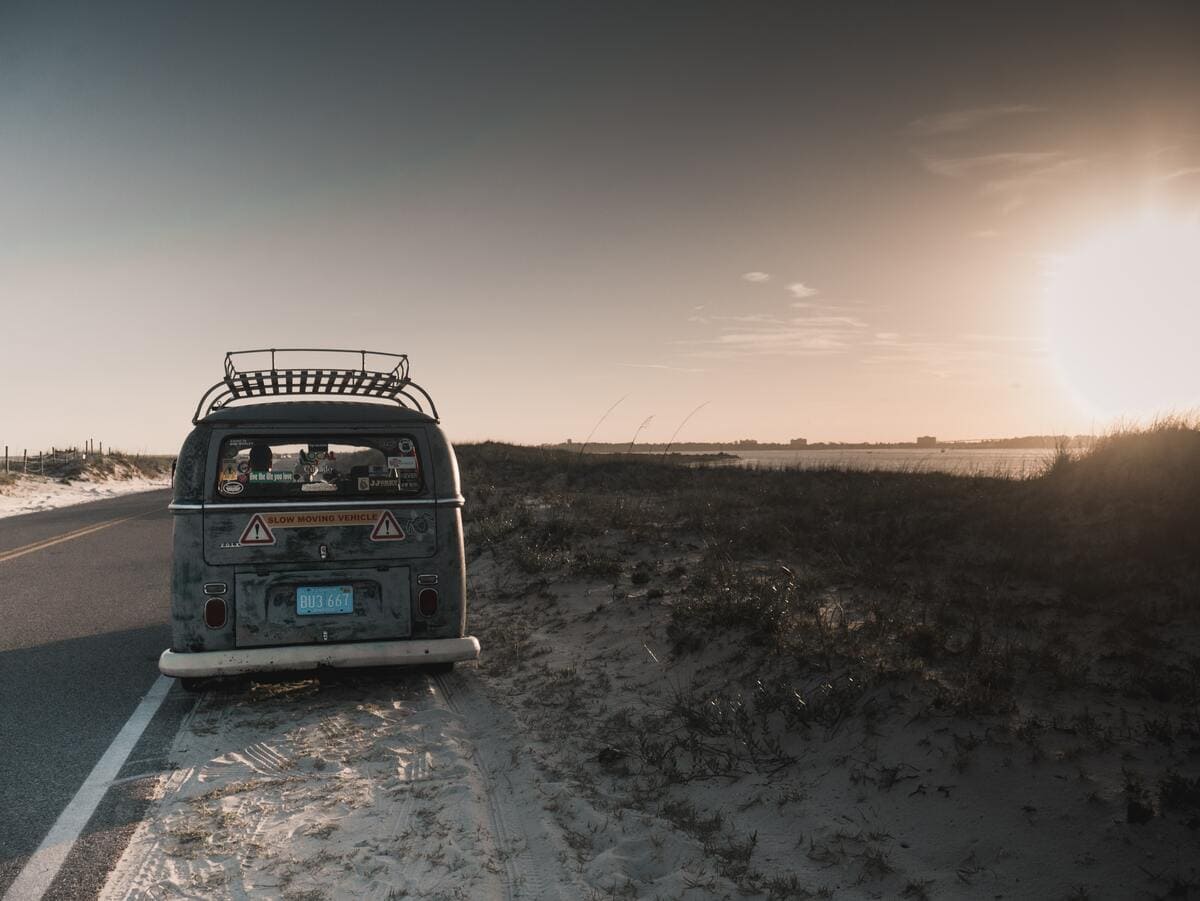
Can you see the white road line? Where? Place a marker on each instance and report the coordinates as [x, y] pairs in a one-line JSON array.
[[47, 860]]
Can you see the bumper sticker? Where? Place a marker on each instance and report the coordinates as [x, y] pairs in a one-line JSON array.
[[262, 526], [387, 528], [257, 532]]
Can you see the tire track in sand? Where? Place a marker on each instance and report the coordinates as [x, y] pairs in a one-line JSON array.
[[533, 852]]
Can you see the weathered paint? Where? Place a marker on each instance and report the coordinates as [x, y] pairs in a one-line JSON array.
[[266, 611], [223, 529], [261, 577]]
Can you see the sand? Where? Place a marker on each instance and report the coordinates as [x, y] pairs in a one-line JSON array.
[[33, 493], [581, 759]]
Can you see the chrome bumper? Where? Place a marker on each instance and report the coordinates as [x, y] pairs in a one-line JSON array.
[[309, 656]]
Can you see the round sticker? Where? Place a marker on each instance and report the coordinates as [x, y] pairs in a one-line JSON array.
[[231, 487], [243, 466]]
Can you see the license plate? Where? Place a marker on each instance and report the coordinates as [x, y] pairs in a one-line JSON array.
[[314, 599]]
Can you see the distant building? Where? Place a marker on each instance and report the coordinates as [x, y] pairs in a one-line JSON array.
[[927, 441], [746, 442], [798, 442]]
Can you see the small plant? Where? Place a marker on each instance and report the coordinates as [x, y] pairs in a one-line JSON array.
[[1179, 793], [594, 565], [917, 889], [1137, 799]]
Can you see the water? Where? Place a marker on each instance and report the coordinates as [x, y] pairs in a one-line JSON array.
[[1009, 462]]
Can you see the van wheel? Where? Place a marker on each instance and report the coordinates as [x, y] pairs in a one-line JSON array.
[[440, 669], [195, 686]]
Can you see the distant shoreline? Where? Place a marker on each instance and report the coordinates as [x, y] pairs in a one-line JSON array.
[[1027, 442]]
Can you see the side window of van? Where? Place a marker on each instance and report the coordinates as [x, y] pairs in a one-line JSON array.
[[297, 467]]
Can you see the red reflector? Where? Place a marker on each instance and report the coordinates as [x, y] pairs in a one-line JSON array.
[[214, 613], [427, 601]]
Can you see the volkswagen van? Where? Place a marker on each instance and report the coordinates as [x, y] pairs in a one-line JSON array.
[[316, 532]]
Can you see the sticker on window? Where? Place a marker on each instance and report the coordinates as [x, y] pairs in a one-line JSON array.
[[291, 465]]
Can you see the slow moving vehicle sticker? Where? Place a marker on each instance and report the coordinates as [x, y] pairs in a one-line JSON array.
[[257, 532], [319, 518], [261, 528], [387, 528]]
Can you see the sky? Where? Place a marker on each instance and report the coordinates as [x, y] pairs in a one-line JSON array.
[[837, 221]]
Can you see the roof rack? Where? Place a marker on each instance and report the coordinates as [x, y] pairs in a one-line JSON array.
[[387, 384]]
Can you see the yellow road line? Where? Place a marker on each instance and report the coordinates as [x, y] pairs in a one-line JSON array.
[[66, 536]]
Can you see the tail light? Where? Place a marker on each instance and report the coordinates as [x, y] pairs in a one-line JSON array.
[[427, 601], [215, 613]]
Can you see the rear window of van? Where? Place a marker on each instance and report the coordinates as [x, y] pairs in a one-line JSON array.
[[296, 467]]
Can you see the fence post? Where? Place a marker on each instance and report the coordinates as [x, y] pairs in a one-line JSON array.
[[25, 459], [6, 458], [41, 464]]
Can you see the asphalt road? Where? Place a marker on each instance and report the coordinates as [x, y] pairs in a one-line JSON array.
[[82, 622]]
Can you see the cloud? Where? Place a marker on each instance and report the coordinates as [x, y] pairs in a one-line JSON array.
[[1012, 177], [964, 119], [800, 290], [756, 318], [963, 166], [966, 357], [753, 318], [1006, 345], [1180, 173], [750, 336], [1017, 189], [756, 277], [660, 366]]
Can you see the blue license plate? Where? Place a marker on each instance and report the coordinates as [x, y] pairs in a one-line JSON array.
[[313, 599]]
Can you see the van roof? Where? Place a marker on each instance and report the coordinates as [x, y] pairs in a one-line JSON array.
[[317, 412]]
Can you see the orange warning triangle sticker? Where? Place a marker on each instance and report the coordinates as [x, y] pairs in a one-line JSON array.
[[257, 532], [387, 528]]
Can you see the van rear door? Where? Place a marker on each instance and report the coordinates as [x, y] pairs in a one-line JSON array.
[[323, 532]]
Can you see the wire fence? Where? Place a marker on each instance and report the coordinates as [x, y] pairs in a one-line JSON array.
[[39, 460]]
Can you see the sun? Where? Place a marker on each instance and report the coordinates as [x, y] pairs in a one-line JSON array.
[[1123, 319]]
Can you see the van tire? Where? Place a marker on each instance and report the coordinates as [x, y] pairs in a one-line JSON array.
[[440, 669], [194, 686]]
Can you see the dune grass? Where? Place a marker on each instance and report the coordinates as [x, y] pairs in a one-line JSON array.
[[1001, 613], [1120, 519], [984, 587]]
